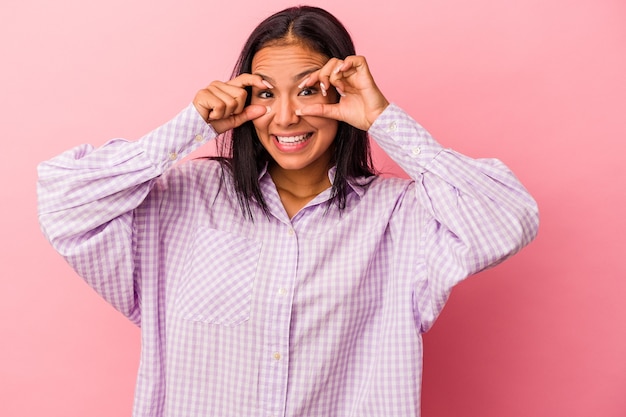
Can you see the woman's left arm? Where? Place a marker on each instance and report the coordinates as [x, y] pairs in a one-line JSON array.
[[478, 201], [471, 213]]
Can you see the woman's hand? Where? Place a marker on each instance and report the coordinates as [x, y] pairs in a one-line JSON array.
[[360, 103], [221, 104]]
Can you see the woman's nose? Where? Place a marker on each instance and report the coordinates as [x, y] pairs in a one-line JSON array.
[[285, 112]]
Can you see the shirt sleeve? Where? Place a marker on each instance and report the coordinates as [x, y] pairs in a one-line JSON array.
[[473, 213], [86, 199]]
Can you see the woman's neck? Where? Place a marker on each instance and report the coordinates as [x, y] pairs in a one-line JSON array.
[[297, 188]]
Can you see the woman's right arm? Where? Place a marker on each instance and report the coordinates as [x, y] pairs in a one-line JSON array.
[[87, 196], [86, 199]]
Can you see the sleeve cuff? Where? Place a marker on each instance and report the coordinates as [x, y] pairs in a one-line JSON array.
[[177, 138], [404, 140]]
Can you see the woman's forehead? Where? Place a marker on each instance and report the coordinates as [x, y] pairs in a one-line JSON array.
[[293, 61]]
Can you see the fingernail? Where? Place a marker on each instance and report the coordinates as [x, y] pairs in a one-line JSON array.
[[323, 87], [341, 93], [267, 109], [267, 84], [303, 83], [298, 112], [336, 70]]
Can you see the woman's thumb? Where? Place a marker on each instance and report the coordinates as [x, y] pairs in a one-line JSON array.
[[251, 112], [330, 111]]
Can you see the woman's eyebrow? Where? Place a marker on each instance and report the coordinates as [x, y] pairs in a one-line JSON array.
[[265, 77], [305, 73]]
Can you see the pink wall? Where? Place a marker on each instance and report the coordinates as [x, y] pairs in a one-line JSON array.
[[540, 84]]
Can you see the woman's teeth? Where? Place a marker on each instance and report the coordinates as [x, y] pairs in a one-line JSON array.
[[293, 139]]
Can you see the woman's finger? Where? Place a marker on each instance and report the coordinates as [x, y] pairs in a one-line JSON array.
[[205, 102], [224, 104], [316, 78], [249, 80], [222, 99], [231, 95], [324, 75], [344, 73], [236, 88]]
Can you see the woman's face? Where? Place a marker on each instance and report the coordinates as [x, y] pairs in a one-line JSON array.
[[296, 143]]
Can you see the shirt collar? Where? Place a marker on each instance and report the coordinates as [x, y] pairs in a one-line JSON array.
[[358, 184]]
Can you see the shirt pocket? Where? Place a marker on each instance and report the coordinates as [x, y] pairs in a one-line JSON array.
[[218, 278]]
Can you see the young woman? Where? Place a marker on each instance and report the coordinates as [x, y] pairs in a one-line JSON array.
[[284, 278]]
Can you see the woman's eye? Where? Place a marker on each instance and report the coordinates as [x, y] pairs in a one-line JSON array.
[[307, 91], [265, 94]]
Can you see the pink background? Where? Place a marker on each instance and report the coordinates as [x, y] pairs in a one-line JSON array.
[[541, 84]]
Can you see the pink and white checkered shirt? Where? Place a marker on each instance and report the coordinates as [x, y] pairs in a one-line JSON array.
[[318, 315]]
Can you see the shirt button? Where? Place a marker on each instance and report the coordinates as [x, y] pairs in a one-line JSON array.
[[282, 292], [173, 156], [198, 138], [277, 356], [392, 127], [290, 232], [416, 151]]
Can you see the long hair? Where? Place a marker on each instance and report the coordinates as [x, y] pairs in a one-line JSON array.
[[243, 153]]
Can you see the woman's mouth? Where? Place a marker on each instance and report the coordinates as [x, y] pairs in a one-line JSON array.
[[293, 140], [292, 143]]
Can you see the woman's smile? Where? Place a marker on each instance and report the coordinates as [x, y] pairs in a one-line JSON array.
[[292, 142]]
